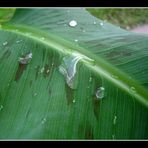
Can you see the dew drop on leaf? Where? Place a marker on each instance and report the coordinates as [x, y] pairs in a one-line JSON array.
[[42, 38], [114, 76], [132, 89], [115, 119], [94, 22], [76, 40], [5, 43], [1, 107], [100, 93], [73, 23], [43, 121], [35, 94], [74, 101], [18, 41], [90, 79], [101, 24], [42, 69]]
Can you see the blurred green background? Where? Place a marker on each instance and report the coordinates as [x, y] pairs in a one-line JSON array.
[[126, 18]]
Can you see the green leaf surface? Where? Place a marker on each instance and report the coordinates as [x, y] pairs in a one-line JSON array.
[[87, 81]]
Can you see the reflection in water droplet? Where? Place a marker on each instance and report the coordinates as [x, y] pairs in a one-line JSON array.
[[5, 43], [1, 107], [43, 121], [133, 90], [114, 121], [25, 59], [68, 67], [101, 24], [100, 93], [72, 23]]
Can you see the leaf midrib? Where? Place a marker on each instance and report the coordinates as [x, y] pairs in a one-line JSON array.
[[101, 67]]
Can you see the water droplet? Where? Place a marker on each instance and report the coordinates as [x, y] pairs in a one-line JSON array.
[[42, 38], [25, 59], [114, 76], [18, 41], [68, 67], [101, 24], [28, 33], [115, 119], [74, 101], [72, 23], [43, 121], [94, 22], [76, 40], [90, 79], [5, 43], [47, 71], [1, 107], [132, 89], [35, 94], [113, 136], [42, 70], [100, 93]]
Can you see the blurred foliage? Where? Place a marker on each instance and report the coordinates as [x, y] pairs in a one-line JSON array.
[[124, 17], [6, 14]]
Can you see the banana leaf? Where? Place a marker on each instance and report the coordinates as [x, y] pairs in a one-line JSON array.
[[65, 74]]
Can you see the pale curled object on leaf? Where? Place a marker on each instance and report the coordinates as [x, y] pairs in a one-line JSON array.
[[25, 59]]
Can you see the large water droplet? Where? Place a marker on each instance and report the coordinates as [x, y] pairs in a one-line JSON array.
[[1, 107], [68, 67], [5, 43], [25, 59], [72, 23], [100, 93], [115, 119]]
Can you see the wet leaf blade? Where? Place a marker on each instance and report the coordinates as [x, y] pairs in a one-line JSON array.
[[36, 102]]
